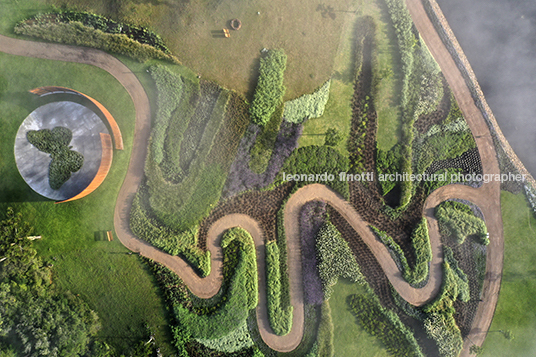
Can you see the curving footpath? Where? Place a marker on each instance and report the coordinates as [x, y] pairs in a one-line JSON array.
[[487, 198]]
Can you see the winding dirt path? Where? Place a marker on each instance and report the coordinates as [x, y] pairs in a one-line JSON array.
[[486, 197]]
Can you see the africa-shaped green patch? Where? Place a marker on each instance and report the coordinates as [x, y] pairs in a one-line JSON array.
[[64, 160]]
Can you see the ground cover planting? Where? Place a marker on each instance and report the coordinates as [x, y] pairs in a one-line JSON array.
[[226, 183]]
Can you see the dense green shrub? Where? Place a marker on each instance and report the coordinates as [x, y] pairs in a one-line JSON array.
[[270, 89], [184, 243], [279, 314], [335, 259], [459, 222], [385, 324], [308, 105], [261, 152], [421, 247], [388, 162], [240, 297], [442, 180], [64, 160], [37, 319], [313, 161], [75, 33], [333, 137]]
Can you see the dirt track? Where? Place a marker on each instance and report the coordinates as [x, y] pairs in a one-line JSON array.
[[486, 197]]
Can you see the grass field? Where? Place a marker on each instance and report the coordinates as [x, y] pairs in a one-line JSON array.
[[515, 309], [350, 339], [115, 284], [193, 30]]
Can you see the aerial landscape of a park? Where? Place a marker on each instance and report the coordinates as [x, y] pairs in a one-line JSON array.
[[266, 178]]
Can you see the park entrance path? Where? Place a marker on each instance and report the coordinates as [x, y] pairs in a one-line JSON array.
[[486, 197]]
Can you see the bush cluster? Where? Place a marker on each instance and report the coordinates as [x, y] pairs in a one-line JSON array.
[[75, 33], [64, 161], [240, 296], [261, 152], [270, 89], [308, 105], [420, 242], [335, 259], [37, 319], [456, 220], [312, 160], [385, 324]]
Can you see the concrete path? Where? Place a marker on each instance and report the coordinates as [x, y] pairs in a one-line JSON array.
[[486, 197]]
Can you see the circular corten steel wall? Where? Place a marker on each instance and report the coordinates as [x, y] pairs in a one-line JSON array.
[[33, 164]]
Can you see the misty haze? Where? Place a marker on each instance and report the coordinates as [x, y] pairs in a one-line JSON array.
[[499, 39]]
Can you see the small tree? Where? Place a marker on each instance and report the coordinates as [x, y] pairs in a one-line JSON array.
[[333, 137], [476, 350]]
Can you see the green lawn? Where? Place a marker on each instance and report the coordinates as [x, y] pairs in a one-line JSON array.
[[115, 284], [350, 339], [338, 111], [386, 99], [515, 310]]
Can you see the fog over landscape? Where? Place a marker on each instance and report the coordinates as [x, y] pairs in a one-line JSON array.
[[499, 39]]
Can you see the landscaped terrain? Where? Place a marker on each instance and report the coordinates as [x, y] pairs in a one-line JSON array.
[[258, 171]]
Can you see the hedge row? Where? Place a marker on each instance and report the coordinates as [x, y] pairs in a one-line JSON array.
[[98, 22], [420, 241], [75, 33], [385, 324], [184, 244], [270, 89], [239, 298], [261, 152], [316, 160], [280, 316], [308, 105], [459, 222], [443, 330], [335, 259], [324, 335]]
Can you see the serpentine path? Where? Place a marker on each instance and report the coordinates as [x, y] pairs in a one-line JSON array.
[[487, 198]]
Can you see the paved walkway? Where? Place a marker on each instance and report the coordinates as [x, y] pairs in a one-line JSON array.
[[486, 197]]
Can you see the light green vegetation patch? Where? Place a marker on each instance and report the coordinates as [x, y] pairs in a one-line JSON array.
[[335, 259], [114, 284], [457, 221], [515, 309], [308, 105], [234, 341]]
